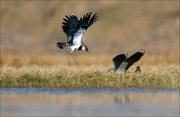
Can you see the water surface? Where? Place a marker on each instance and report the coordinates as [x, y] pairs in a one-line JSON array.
[[89, 102]]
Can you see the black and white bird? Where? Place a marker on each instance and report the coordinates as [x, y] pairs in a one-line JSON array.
[[75, 29], [122, 62]]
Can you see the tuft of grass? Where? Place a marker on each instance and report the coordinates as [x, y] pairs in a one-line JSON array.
[[157, 76]]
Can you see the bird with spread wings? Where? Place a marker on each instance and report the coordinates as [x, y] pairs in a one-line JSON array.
[[122, 62], [75, 28]]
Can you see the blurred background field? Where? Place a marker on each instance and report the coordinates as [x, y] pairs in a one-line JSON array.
[[31, 29]]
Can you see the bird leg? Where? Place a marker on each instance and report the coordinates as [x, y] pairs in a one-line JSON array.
[[72, 55]]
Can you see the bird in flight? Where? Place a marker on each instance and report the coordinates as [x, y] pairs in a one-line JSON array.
[[75, 28], [122, 62]]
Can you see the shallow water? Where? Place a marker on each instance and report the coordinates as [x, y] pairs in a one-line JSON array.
[[89, 102]]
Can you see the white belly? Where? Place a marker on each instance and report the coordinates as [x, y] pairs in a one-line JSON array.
[[72, 47], [122, 67]]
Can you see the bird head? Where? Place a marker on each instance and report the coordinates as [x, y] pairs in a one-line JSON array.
[[138, 68], [85, 48]]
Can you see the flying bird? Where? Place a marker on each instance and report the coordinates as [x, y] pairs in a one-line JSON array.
[[122, 62], [75, 28]]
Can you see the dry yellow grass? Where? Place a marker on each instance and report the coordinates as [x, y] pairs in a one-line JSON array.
[[156, 76], [50, 70]]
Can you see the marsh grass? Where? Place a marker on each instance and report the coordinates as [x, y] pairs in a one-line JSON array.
[[155, 76]]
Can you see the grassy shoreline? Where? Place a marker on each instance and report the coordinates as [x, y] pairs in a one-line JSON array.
[[159, 76]]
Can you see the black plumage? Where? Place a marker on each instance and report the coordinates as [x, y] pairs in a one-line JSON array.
[[86, 21], [71, 24], [117, 60], [133, 58], [123, 63], [75, 28]]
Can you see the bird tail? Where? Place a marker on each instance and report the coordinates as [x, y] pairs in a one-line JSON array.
[[60, 45]]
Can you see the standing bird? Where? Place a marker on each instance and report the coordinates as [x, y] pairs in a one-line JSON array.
[[122, 62], [74, 30], [138, 69]]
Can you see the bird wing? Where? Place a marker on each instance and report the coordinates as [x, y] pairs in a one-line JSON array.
[[70, 26], [117, 60], [87, 20], [134, 58], [84, 23]]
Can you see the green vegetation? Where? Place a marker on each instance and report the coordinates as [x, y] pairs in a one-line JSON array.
[[161, 76]]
